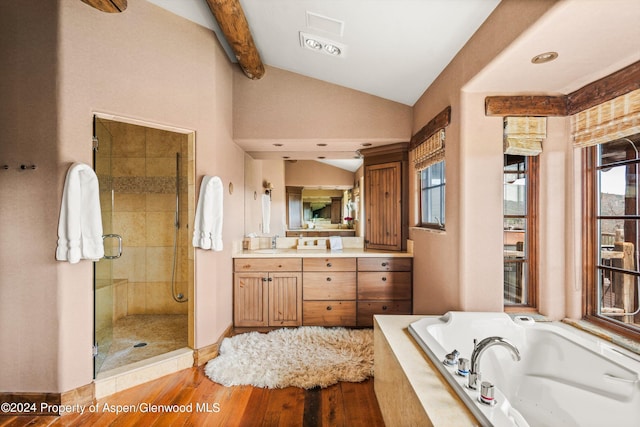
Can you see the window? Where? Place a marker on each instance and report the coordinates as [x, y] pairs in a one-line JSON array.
[[613, 233], [520, 229], [432, 182]]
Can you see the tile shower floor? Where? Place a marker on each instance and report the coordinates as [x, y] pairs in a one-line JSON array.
[[161, 333]]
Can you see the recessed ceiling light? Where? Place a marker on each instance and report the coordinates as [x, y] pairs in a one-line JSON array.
[[277, 145], [366, 144], [286, 157], [332, 49], [321, 157], [313, 44], [321, 145], [544, 57]]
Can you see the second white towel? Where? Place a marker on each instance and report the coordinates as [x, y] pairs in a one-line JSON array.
[[266, 213], [207, 233]]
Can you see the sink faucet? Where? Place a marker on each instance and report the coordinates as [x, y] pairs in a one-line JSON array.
[[273, 241], [479, 348]]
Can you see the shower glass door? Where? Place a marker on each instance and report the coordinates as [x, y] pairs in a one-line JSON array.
[[103, 269]]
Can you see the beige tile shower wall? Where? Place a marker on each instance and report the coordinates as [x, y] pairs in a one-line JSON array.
[[144, 168]]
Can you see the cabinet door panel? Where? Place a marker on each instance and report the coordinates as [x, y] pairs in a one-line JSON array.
[[384, 206], [384, 285], [285, 299], [250, 291], [329, 264], [329, 286], [329, 313]]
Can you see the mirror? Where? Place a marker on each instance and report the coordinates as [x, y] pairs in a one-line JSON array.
[[317, 204]]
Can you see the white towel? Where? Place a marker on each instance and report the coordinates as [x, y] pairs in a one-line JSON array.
[[80, 224], [207, 233], [266, 213]]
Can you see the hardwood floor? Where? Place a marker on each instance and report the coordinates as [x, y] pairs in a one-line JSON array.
[[201, 402]]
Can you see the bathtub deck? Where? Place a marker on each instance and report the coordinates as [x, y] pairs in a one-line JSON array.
[[409, 389]]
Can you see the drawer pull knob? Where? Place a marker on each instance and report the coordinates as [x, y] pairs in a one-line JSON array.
[[264, 279], [384, 307], [384, 264], [329, 308], [328, 279], [384, 279], [328, 264]]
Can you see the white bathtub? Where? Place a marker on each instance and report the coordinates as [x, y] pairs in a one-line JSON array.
[[565, 377]]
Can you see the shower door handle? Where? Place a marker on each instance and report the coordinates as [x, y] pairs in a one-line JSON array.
[[113, 236]]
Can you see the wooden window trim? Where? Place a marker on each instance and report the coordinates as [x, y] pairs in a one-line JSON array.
[[430, 225], [589, 249], [533, 203]]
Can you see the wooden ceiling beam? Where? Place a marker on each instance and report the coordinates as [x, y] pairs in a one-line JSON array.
[[525, 106], [607, 88], [109, 6], [235, 28]]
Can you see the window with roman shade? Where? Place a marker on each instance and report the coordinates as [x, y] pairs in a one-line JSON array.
[[522, 143], [611, 185]]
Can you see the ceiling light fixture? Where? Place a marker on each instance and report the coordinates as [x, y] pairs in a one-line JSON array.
[[332, 49], [544, 57], [318, 44], [366, 144], [321, 157], [321, 145], [277, 145], [313, 44]]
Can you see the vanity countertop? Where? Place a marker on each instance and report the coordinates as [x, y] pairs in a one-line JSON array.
[[317, 253]]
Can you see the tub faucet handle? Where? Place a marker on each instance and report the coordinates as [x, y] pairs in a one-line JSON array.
[[451, 359]]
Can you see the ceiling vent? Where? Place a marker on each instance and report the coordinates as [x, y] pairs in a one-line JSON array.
[[319, 44], [326, 24]]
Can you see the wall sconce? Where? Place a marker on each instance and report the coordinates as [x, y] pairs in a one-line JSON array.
[[268, 188]]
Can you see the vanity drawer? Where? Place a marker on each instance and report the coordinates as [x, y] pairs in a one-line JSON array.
[[384, 285], [366, 310], [267, 264], [329, 286], [329, 264], [329, 313], [385, 264]]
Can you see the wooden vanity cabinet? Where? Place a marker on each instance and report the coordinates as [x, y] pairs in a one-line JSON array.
[[329, 291], [267, 292], [384, 287]]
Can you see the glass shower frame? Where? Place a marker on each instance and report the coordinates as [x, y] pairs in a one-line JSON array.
[[104, 301]]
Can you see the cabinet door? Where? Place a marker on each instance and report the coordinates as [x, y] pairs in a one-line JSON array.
[[250, 299], [294, 207], [285, 299], [384, 206]]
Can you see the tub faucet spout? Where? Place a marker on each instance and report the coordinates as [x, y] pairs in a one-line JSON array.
[[479, 349]]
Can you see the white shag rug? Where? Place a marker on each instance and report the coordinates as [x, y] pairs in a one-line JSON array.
[[306, 357]]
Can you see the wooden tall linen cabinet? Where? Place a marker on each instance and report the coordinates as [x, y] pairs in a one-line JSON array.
[[386, 197]]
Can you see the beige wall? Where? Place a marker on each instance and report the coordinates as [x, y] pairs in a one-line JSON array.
[[309, 173], [285, 105], [29, 200], [256, 173], [145, 64], [461, 268]]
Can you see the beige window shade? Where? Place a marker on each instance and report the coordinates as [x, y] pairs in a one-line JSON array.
[[430, 152], [608, 121], [523, 135]]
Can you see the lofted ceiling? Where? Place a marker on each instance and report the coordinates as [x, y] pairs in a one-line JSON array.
[[395, 49]]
